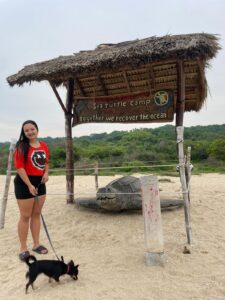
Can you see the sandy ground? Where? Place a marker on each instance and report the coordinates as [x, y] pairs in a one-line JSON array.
[[110, 247]]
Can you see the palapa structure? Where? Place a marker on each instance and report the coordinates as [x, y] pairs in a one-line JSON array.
[[104, 81]]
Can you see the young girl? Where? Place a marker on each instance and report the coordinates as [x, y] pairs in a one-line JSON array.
[[31, 161]]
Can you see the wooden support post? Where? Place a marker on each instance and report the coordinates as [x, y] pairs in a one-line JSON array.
[[96, 175], [57, 96], [7, 184], [68, 137], [152, 221], [69, 143], [180, 107], [188, 168], [180, 133]]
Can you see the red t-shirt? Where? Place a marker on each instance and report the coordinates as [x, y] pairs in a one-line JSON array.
[[36, 160]]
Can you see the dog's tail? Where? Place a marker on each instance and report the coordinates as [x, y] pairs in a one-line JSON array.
[[30, 257]]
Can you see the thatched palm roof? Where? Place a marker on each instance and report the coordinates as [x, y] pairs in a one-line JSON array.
[[131, 66]]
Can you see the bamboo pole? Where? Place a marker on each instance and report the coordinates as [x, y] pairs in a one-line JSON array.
[[7, 184], [188, 169], [69, 143], [152, 221], [180, 132]]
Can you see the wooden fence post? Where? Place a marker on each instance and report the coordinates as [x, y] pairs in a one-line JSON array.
[[180, 135], [7, 184], [188, 168], [96, 175], [152, 221]]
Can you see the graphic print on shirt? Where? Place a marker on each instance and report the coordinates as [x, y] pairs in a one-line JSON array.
[[38, 158]]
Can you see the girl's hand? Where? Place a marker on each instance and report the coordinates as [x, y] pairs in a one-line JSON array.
[[44, 178], [32, 190]]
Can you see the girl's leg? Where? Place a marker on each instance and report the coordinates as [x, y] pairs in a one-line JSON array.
[[35, 222], [25, 207]]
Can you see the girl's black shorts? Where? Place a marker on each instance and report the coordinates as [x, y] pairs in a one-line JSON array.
[[22, 191]]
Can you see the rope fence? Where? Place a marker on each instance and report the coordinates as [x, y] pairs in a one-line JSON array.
[[104, 168], [92, 167], [96, 168]]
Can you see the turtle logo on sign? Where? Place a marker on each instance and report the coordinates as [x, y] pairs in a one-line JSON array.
[[38, 159], [161, 98]]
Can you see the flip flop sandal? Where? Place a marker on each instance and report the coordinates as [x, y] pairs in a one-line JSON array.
[[24, 255], [40, 250]]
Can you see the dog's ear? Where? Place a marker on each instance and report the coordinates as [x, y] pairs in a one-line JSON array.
[[76, 266], [71, 263]]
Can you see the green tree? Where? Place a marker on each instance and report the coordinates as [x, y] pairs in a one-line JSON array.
[[217, 149]]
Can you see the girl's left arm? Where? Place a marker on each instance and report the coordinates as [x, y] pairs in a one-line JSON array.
[[45, 175]]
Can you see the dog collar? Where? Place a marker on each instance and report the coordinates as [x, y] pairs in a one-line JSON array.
[[68, 268]]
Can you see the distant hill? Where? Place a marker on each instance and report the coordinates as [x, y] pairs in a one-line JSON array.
[[138, 146]]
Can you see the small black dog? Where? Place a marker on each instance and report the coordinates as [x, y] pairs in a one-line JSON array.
[[51, 268]]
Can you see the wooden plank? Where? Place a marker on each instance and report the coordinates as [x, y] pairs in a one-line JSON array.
[[139, 83], [110, 96]]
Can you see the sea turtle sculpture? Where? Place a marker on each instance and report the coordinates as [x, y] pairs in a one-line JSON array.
[[122, 194]]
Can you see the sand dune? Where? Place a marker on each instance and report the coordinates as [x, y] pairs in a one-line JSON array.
[[109, 247]]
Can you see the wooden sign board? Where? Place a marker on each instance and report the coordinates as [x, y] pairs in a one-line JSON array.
[[138, 108]]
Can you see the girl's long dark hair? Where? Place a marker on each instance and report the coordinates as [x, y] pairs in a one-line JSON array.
[[23, 142]]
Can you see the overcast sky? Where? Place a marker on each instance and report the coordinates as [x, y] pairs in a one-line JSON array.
[[36, 30]]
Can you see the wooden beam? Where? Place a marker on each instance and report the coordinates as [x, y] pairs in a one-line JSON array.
[[126, 81], [57, 96], [110, 96]]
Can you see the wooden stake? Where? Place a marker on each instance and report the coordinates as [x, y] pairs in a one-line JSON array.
[[7, 184], [96, 175], [152, 221]]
